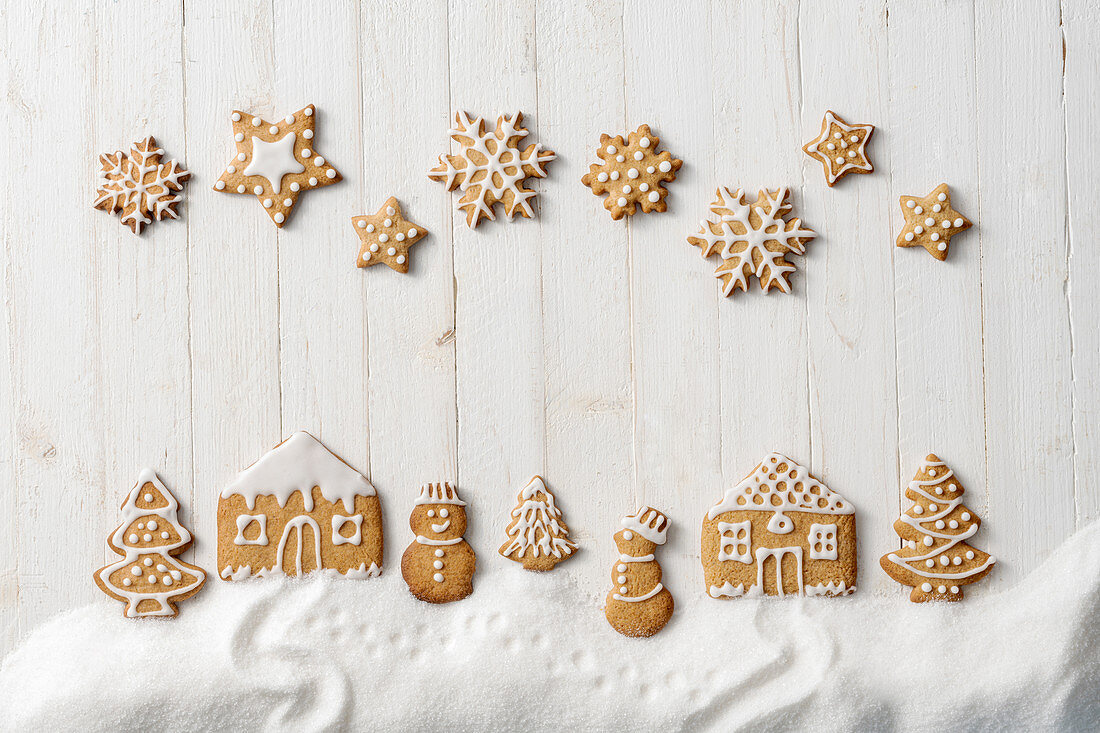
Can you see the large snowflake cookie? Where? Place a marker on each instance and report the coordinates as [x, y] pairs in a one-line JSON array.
[[386, 236], [138, 186], [935, 559], [538, 537], [779, 532], [149, 578], [296, 510], [630, 173], [638, 604], [930, 222], [840, 148], [491, 168], [752, 238], [275, 162]]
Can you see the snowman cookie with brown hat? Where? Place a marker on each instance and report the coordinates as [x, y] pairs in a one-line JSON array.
[[638, 604], [439, 564]]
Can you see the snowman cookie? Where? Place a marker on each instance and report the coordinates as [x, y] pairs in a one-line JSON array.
[[438, 565], [638, 604]]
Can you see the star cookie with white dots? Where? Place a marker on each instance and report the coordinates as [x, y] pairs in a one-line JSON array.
[[930, 222], [841, 148], [386, 237], [275, 162]]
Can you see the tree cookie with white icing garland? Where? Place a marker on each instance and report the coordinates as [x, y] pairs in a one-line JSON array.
[[638, 604], [935, 558], [149, 578], [491, 168], [779, 532], [275, 162], [299, 509], [931, 222], [439, 565], [630, 173], [138, 187], [386, 236], [538, 537], [840, 148]]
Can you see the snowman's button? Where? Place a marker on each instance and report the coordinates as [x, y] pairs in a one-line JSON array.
[[438, 564], [439, 552], [438, 577]]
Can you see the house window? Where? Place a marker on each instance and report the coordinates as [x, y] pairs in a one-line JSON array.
[[339, 521], [822, 541], [244, 521], [734, 541]]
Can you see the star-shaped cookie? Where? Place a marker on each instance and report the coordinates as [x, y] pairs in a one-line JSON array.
[[930, 222], [275, 162], [841, 148], [386, 237]]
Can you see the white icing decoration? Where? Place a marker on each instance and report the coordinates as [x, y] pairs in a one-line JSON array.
[[823, 536], [735, 541], [638, 599], [126, 181], [273, 160], [537, 527], [824, 501], [763, 553], [298, 524], [338, 522], [829, 589], [363, 572], [429, 541]]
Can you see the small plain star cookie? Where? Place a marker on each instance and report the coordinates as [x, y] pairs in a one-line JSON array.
[[840, 148], [930, 222], [386, 237], [275, 162]]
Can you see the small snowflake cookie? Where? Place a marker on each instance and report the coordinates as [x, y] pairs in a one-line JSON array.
[[138, 186], [638, 604], [386, 237], [930, 222], [841, 148], [935, 559], [491, 168], [631, 172], [275, 162], [752, 238], [438, 566], [538, 537], [149, 578]]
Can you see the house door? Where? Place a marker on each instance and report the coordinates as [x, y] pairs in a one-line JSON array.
[[786, 562], [301, 559]]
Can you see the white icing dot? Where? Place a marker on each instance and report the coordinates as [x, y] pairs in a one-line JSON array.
[[220, 185], [614, 175], [413, 232], [438, 564], [918, 229], [127, 582], [602, 177], [966, 516], [236, 117], [944, 560], [439, 553], [268, 203], [854, 138], [289, 119], [400, 259], [162, 568], [366, 256], [937, 208], [361, 224], [390, 211], [611, 150], [837, 135], [650, 169], [135, 570], [374, 247], [910, 203], [946, 223], [627, 188], [147, 562], [644, 142], [318, 161], [330, 173], [930, 222], [628, 535], [258, 190], [851, 153], [632, 173], [621, 201], [273, 129], [654, 196], [621, 568], [930, 563], [391, 251], [147, 537], [307, 134], [932, 507], [288, 202], [239, 137], [167, 580], [295, 186], [387, 222], [256, 121], [132, 537], [308, 111], [830, 146], [383, 237], [954, 589], [665, 166], [399, 237], [622, 578], [622, 589], [638, 155], [164, 535], [926, 587], [306, 154], [620, 158], [942, 246], [928, 541], [279, 218], [909, 236], [920, 210], [312, 181], [935, 236], [918, 509], [839, 160], [953, 524], [969, 554], [942, 589], [940, 524], [959, 222], [956, 560], [643, 186], [438, 577], [942, 197]]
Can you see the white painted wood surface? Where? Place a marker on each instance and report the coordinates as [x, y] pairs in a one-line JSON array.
[[598, 353]]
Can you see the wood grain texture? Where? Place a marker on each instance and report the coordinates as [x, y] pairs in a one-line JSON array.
[[600, 354]]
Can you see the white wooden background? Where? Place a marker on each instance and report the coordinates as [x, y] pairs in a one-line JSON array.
[[595, 352]]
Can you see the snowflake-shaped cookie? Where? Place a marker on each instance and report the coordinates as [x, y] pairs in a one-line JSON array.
[[930, 222], [139, 185], [752, 239], [275, 162], [491, 167], [841, 148], [631, 172], [386, 236]]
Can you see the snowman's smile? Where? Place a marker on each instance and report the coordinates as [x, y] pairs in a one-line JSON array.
[[437, 528]]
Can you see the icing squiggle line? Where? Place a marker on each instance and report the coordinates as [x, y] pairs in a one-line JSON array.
[[638, 599]]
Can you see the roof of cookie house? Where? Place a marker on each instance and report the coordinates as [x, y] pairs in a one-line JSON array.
[[298, 464], [800, 492]]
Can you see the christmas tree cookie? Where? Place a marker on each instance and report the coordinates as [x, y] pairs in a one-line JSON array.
[[638, 604], [935, 558], [538, 537], [439, 565], [148, 578]]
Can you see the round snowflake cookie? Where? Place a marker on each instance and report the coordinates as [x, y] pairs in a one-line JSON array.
[[630, 173]]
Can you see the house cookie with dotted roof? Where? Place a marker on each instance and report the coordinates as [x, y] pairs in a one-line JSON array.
[[779, 532]]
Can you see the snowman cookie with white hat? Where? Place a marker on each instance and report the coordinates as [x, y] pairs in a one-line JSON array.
[[439, 564]]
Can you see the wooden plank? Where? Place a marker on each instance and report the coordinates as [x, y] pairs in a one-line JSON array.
[[404, 114], [849, 288], [585, 288], [1081, 26], [1022, 225], [234, 262], [498, 318], [677, 429]]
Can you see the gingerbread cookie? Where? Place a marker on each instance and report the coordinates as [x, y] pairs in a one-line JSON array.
[[138, 186], [538, 537], [298, 509], [439, 565], [752, 238], [779, 532], [638, 604], [149, 579], [491, 167], [275, 162], [386, 237], [930, 222], [630, 173], [935, 558], [840, 148]]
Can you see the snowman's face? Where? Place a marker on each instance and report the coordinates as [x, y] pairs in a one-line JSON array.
[[633, 544], [438, 521]]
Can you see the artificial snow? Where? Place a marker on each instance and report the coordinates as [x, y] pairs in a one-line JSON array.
[[530, 652]]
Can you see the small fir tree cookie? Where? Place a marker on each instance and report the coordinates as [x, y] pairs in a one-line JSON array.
[[538, 537]]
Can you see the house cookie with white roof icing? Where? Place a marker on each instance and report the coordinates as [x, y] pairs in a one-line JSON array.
[[298, 509], [779, 532]]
